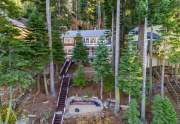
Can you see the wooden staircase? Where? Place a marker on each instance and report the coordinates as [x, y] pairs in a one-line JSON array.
[[173, 87], [63, 92]]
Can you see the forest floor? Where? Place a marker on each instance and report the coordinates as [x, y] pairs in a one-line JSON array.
[[39, 106], [106, 117]]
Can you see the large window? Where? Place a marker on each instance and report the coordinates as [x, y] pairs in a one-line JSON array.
[[68, 41]]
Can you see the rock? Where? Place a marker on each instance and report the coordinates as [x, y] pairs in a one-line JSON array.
[[32, 116], [45, 102], [22, 121]]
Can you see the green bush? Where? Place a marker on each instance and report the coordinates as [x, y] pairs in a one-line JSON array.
[[163, 111], [79, 77], [109, 82], [132, 114]]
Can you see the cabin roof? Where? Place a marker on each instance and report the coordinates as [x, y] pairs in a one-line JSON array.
[[17, 23], [155, 34], [85, 33], [21, 26]]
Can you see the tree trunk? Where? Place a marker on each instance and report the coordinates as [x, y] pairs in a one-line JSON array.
[[99, 15], [141, 37], [10, 105], [38, 85], [117, 94], [150, 63], [58, 8], [101, 94], [56, 71], [129, 97], [113, 41], [45, 83], [77, 14], [48, 17], [143, 102], [162, 77], [9, 57], [176, 71], [122, 39]]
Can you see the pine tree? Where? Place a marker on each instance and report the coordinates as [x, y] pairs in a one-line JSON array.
[[109, 82], [108, 13], [79, 77], [80, 51], [163, 111], [133, 114], [101, 64]]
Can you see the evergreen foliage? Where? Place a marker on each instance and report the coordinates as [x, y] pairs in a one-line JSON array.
[[80, 51], [101, 63], [12, 62], [133, 114], [130, 75], [163, 111], [9, 7], [109, 82], [79, 77], [90, 10], [108, 13]]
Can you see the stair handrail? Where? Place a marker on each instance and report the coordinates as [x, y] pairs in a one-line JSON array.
[[175, 93], [63, 66], [53, 118], [70, 62], [62, 81], [67, 90], [176, 82], [62, 119]]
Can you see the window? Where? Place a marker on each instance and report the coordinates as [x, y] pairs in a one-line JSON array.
[[68, 41], [87, 40], [93, 40]]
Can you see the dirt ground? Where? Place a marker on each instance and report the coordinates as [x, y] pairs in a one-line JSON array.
[[41, 106], [38, 107], [106, 117]]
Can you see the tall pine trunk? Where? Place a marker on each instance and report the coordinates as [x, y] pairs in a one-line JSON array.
[[59, 8], [141, 38], [10, 105], [101, 91], [38, 85], [143, 101], [48, 17], [162, 77], [150, 62], [99, 15], [117, 94], [122, 38], [113, 40], [45, 83]]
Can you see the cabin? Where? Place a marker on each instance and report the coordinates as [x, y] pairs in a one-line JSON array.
[[156, 35], [90, 40]]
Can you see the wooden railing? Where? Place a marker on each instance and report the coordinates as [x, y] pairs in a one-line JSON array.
[[174, 89]]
